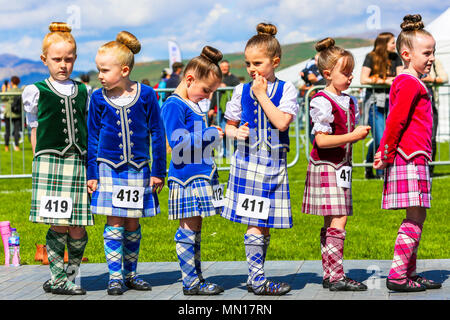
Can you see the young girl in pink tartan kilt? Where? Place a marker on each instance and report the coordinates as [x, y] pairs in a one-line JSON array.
[[405, 150], [328, 182]]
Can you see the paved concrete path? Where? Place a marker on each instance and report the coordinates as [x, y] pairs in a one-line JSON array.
[[25, 282]]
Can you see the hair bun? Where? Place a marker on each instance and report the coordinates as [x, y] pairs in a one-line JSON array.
[[412, 22], [324, 44], [211, 54], [267, 29], [129, 40], [59, 27]]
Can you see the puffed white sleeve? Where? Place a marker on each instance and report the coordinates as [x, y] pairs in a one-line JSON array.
[[321, 115], [288, 102], [30, 98], [234, 109]]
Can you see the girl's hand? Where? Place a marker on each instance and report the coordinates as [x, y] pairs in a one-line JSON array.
[[360, 132], [92, 185], [259, 86], [221, 134], [157, 184], [243, 132], [378, 163]]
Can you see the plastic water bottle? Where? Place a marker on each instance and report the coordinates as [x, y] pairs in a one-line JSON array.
[[14, 248]]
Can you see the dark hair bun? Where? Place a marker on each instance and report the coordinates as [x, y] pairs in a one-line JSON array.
[[211, 54], [412, 22], [324, 44], [266, 28], [129, 40]]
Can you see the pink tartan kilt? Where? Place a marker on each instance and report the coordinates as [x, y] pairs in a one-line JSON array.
[[407, 183], [322, 196]]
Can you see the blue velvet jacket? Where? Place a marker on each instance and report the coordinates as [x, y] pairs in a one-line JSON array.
[[191, 140], [121, 136]]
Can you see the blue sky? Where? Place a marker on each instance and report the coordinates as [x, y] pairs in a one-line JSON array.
[[226, 25]]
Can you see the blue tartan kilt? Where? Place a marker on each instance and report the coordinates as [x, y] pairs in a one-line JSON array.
[[260, 174], [193, 200], [101, 202]]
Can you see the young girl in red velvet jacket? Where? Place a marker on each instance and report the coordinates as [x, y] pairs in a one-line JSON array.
[[405, 151]]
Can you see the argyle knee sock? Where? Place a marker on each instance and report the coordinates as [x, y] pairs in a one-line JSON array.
[[75, 248], [113, 243], [406, 244], [324, 253], [265, 247], [335, 251], [185, 246], [254, 251], [197, 255], [56, 244], [131, 245]]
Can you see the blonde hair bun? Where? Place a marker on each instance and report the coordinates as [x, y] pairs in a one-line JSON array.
[[324, 44], [211, 54], [129, 40], [266, 29], [412, 22], [59, 27]]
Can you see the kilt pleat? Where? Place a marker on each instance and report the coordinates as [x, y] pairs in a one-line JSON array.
[[407, 183], [193, 200], [61, 176], [129, 176], [259, 174], [322, 196]]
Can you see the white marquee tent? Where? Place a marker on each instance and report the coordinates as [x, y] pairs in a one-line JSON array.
[[440, 29]]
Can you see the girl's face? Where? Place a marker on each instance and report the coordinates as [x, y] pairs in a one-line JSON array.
[[60, 59], [340, 77], [421, 57], [110, 73], [258, 62], [390, 46], [199, 89]]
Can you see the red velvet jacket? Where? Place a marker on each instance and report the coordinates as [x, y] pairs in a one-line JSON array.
[[410, 120]]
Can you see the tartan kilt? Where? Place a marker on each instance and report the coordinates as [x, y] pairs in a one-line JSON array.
[[193, 200], [322, 196], [61, 176], [257, 173], [129, 176], [407, 183]]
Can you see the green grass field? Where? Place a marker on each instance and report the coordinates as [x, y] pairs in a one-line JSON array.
[[371, 232]]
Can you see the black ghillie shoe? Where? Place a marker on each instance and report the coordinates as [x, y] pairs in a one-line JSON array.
[[347, 284], [326, 283], [203, 288], [72, 290], [408, 286], [272, 288], [115, 287], [138, 284], [428, 284], [47, 286]]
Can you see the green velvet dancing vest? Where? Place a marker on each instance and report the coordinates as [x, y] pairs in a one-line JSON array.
[[61, 120]]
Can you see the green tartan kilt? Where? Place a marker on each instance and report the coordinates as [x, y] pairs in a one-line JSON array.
[[61, 176]]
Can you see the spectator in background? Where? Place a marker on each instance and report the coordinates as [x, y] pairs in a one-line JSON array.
[[13, 103], [436, 76], [380, 66], [5, 86], [85, 78], [165, 75], [174, 79], [219, 101], [146, 82]]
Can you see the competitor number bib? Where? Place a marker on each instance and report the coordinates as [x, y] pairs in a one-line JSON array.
[[55, 207], [128, 197], [253, 207]]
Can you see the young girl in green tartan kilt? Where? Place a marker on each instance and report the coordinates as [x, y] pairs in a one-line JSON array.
[[56, 109]]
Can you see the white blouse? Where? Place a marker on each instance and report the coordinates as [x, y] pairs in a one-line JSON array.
[[321, 111], [288, 102], [30, 98]]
